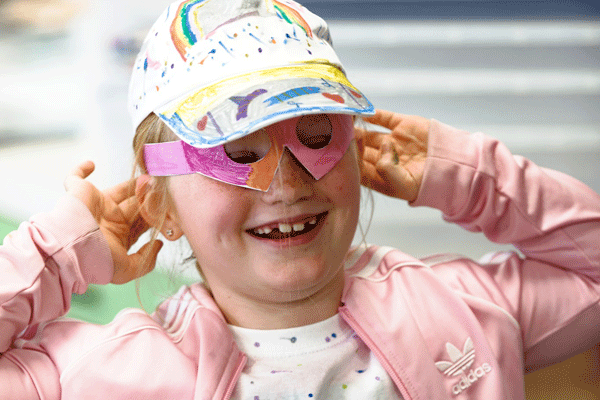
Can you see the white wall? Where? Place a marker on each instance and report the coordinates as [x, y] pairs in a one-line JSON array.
[[534, 85]]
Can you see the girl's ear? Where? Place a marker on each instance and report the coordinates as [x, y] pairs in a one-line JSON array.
[[155, 207]]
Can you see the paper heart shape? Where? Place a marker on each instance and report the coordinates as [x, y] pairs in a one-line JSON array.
[[202, 123], [335, 97], [357, 95]]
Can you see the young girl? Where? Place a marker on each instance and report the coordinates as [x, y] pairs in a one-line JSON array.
[[245, 140]]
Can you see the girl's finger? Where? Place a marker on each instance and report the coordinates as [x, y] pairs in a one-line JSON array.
[[139, 263], [122, 191], [81, 171], [130, 208], [385, 118], [371, 155], [370, 178], [386, 147], [149, 254], [138, 227], [389, 155], [84, 169], [372, 138]]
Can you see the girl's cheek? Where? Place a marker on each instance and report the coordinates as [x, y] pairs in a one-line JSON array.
[[202, 202]]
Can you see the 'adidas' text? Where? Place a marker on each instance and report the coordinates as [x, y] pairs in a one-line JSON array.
[[468, 379]]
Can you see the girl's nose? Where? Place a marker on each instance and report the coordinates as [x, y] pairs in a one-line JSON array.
[[291, 181]]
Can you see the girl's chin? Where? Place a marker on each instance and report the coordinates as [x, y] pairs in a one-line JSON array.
[[302, 277]]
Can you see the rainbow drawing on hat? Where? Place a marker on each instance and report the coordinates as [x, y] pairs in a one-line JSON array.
[[292, 16], [185, 29]]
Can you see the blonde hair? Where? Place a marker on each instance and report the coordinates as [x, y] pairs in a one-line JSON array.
[[153, 130]]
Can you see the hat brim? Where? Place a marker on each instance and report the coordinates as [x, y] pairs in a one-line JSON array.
[[235, 107]]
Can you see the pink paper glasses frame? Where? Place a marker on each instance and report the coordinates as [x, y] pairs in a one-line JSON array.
[[180, 158]]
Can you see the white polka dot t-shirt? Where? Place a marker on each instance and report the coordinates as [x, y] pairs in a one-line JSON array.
[[326, 360]]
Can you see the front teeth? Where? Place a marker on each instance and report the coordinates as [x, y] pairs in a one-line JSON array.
[[285, 228], [298, 227]]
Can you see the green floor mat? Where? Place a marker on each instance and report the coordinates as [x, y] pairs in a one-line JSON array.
[[100, 303], [6, 226]]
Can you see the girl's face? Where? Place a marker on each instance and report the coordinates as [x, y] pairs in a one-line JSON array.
[[282, 245]]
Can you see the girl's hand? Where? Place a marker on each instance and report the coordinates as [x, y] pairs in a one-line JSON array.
[[116, 211], [393, 163]]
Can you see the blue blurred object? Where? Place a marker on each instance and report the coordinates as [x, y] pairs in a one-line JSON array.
[[455, 10]]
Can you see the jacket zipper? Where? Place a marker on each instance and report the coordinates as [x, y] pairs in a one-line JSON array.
[[371, 345], [236, 376]]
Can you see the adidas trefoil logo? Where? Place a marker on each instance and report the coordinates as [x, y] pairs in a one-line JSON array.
[[460, 361]]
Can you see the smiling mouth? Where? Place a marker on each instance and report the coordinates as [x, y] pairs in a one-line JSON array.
[[284, 230]]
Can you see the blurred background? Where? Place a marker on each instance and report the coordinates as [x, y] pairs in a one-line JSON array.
[[526, 72]]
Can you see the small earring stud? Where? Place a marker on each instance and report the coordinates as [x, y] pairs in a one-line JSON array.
[[169, 232]]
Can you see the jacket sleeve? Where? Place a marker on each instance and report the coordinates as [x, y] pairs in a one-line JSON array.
[[42, 263], [552, 288]]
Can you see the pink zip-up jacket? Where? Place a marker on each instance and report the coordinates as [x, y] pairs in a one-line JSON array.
[[443, 327]]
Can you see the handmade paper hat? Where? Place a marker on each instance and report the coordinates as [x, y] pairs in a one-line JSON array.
[[217, 70]]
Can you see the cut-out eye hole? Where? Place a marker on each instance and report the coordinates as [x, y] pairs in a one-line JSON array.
[[249, 149], [314, 131]]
